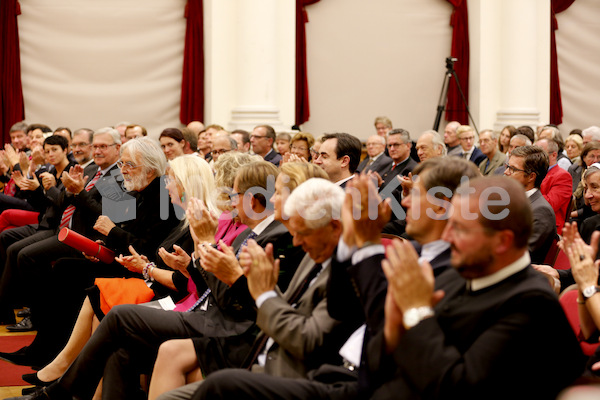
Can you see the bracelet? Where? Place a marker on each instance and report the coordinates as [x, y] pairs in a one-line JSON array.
[[146, 270], [150, 272], [580, 301]]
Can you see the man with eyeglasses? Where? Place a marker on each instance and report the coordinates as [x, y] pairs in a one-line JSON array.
[[468, 138], [77, 206], [398, 145], [82, 146], [261, 140], [221, 145], [529, 166], [376, 159]]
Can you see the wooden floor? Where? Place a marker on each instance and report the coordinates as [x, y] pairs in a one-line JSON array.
[[11, 391]]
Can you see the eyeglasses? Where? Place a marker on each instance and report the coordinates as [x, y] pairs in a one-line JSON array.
[[103, 147], [219, 152], [75, 145], [298, 148], [257, 136], [233, 195], [127, 164], [512, 169], [468, 139], [168, 180]]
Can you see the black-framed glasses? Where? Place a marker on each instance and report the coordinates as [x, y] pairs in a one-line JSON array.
[[220, 152], [127, 164], [102, 146], [512, 169], [233, 196]]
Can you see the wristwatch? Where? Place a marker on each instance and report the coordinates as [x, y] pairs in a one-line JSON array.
[[415, 315], [590, 291]]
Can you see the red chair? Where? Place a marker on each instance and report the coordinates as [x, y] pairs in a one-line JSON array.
[[568, 301], [552, 253], [562, 261]]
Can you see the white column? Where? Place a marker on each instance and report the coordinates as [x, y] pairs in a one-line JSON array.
[[510, 62], [250, 63], [262, 72]]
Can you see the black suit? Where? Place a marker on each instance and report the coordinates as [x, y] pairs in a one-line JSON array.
[[126, 342], [489, 343], [381, 165], [544, 228], [389, 178], [273, 157]]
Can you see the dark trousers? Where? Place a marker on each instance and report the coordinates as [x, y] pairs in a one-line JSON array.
[[124, 345], [12, 285], [64, 297], [243, 384], [8, 202]]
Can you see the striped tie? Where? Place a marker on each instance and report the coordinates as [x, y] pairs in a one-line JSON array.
[[65, 221]]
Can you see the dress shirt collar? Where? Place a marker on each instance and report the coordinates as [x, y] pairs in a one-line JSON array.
[[258, 229], [431, 250], [506, 272]]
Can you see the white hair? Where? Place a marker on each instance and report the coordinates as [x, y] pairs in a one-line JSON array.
[[317, 201], [593, 131], [151, 155]]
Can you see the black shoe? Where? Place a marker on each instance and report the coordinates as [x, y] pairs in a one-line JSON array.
[[24, 326], [31, 390], [39, 394], [19, 357], [34, 380], [24, 313]]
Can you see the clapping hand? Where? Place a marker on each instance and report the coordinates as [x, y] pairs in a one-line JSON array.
[[177, 260], [223, 264], [134, 262], [259, 267]]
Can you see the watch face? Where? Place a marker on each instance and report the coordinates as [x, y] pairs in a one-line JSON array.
[[589, 291]]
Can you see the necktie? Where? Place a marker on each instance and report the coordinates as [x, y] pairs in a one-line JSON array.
[[199, 301], [70, 210], [370, 162], [394, 166], [251, 235], [465, 155], [259, 346]]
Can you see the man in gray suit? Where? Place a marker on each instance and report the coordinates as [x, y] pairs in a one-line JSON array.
[[297, 333], [529, 165], [376, 159]]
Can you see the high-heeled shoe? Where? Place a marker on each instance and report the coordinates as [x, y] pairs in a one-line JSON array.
[[34, 380]]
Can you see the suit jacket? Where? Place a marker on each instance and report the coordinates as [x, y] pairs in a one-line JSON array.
[[544, 228], [381, 165], [357, 293], [390, 175], [476, 156], [496, 161], [305, 336], [273, 157], [491, 343], [149, 227], [557, 189]]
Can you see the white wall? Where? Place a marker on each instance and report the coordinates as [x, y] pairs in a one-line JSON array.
[[93, 64], [578, 46], [371, 58]]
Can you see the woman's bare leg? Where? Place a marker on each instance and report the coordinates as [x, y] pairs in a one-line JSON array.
[[175, 364], [81, 333]]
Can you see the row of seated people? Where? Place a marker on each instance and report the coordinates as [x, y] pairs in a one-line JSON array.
[[325, 247]]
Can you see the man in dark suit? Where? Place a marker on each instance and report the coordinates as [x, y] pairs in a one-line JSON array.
[[339, 156], [468, 138], [399, 145], [478, 351], [262, 140], [376, 159], [529, 166]]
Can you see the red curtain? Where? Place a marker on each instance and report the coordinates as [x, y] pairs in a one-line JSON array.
[[12, 109], [302, 106], [455, 107], [192, 83], [556, 113]]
